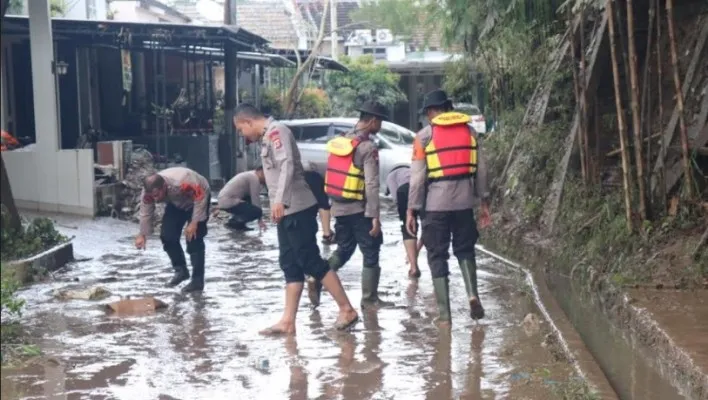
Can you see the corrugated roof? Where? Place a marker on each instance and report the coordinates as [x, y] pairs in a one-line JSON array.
[[270, 20], [311, 11]]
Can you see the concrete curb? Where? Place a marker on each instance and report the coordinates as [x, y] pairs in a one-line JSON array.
[[569, 339], [49, 260]]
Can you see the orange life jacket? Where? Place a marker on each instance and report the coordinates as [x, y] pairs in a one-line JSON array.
[[343, 179], [451, 153], [8, 141]]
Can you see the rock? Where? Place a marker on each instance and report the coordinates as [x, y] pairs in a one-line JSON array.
[[94, 293], [531, 324], [141, 306]]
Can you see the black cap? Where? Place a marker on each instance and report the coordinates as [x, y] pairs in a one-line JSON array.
[[436, 98], [374, 108]]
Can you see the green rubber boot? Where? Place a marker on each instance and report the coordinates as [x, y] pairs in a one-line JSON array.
[[469, 275], [370, 288], [442, 296]]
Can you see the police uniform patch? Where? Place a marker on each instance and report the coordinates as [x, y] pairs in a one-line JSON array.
[[275, 139], [375, 154]]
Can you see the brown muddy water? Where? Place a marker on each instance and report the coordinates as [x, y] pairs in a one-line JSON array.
[[626, 363], [207, 346]]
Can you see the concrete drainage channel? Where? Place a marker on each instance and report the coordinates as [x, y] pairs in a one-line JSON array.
[[611, 366]]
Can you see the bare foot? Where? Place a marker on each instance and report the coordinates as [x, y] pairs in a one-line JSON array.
[[346, 319], [279, 329]]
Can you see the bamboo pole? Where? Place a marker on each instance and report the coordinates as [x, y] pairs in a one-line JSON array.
[[646, 102], [583, 97], [578, 99], [620, 116], [660, 77], [679, 100], [636, 122]]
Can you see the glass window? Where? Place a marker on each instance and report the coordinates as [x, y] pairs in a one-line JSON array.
[[314, 134]]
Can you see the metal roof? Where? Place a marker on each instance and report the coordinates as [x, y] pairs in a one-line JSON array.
[[127, 31]]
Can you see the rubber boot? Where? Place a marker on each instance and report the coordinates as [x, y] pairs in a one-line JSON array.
[[469, 275], [370, 288], [237, 224], [314, 287], [442, 297], [179, 264], [197, 282]]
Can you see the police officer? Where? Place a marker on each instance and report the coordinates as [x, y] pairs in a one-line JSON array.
[[352, 182], [187, 195], [314, 176], [294, 210], [448, 176], [241, 197], [397, 184]]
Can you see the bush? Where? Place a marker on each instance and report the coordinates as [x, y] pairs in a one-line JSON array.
[[314, 103], [32, 239]]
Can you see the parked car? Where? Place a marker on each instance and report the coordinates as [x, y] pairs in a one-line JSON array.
[[478, 121], [395, 143]]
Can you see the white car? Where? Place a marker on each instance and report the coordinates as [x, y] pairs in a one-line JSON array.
[[395, 142], [478, 121]]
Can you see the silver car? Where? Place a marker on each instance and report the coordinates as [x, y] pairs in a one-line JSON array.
[[395, 142]]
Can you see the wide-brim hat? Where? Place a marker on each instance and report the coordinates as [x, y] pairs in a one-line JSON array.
[[435, 98], [374, 108]]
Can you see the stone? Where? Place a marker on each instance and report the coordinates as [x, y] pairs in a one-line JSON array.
[[140, 306]]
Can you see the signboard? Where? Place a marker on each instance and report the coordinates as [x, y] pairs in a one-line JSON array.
[[127, 70]]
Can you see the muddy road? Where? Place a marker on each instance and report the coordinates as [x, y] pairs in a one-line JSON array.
[[207, 347]]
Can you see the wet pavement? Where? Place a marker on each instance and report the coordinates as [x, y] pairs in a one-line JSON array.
[[207, 346]]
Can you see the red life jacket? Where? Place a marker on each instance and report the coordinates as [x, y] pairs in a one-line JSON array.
[[343, 179], [451, 153]]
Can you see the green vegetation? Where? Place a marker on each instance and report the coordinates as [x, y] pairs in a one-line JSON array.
[[365, 80], [34, 238]]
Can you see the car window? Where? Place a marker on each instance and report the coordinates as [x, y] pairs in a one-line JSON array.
[[398, 137], [312, 133], [342, 129]]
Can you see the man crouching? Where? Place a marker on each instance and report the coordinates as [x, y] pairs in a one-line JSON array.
[[187, 195]]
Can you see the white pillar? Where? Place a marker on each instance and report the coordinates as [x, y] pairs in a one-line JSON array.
[[43, 80], [333, 26]]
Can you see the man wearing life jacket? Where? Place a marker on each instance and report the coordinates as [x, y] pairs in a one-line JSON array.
[[188, 196], [294, 210], [448, 178], [352, 182]]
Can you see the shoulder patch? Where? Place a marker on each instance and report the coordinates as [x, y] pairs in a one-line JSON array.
[[147, 199], [195, 192], [375, 154]]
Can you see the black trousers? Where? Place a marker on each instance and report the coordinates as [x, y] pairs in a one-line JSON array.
[[402, 205], [353, 230], [317, 184], [173, 222], [245, 211], [299, 253], [439, 228]]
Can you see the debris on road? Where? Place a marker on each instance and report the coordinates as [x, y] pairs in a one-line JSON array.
[[141, 306], [141, 165], [531, 324], [93, 293]]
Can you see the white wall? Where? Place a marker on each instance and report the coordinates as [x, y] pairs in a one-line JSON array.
[[394, 52], [47, 178], [131, 11], [60, 181], [78, 9]]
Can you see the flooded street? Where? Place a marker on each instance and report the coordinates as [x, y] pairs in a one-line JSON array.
[[207, 346]]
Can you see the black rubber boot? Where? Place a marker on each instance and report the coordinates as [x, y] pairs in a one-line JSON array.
[[237, 224], [197, 282], [314, 287], [179, 264], [370, 288], [442, 297], [469, 275]]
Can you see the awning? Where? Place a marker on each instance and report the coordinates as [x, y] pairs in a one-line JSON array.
[[322, 61], [126, 32]]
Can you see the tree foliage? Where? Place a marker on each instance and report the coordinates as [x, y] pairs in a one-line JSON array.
[[366, 80]]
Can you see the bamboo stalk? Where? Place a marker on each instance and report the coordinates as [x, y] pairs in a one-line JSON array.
[[598, 160], [646, 89], [620, 116], [583, 96], [636, 122], [578, 100], [646, 139], [679, 100], [660, 77]]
